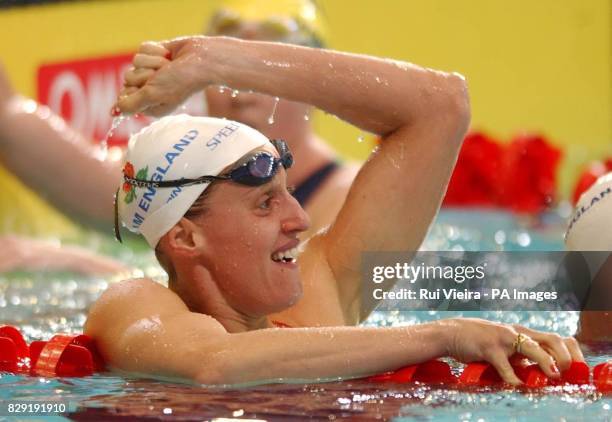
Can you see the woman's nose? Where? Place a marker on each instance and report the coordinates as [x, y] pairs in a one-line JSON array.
[[296, 219]]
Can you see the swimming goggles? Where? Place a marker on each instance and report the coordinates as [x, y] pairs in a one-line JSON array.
[[258, 170]]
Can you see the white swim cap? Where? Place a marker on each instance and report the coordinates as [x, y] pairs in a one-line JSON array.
[[590, 228], [172, 148]]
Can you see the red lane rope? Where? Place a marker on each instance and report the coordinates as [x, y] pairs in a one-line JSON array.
[[76, 356]]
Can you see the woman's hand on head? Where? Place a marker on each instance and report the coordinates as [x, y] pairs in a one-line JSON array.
[[163, 75], [470, 340]]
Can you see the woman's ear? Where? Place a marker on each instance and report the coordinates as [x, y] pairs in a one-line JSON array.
[[186, 236]]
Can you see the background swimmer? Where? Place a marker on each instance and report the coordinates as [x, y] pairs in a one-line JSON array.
[[66, 169], [320, 179]]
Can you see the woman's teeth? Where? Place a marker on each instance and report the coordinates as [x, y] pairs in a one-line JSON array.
[[289, 255]]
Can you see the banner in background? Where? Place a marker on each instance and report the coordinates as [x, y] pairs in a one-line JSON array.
[[83, 92]]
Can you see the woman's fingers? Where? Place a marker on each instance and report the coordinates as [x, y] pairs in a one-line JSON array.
[[137, 77], [574, 349], [500, 361], [536, 353], [149, 61], [560, 354], [153, 48], [557, 346], [135, 102], [128, 90]]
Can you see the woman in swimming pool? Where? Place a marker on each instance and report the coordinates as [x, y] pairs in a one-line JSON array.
[[231, 249]]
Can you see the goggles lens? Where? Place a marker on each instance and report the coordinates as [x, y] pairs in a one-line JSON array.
[[260, 169], [262, 166]]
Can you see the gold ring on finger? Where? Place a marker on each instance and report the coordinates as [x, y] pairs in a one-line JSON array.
[[518, 343]]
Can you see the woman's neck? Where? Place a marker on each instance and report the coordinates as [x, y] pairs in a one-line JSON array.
[[201, 294]]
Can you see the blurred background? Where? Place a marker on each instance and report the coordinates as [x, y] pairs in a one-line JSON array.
[[541, 68]]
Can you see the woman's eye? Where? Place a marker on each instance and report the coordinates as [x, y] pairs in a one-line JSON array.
[[264, 205]]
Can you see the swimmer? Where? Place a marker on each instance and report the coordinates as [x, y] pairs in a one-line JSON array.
[[590, 230], [44, 153], [68, 170], [210, 195], [321, 180]]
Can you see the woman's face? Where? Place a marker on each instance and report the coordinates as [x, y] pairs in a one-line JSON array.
[[249, 233]]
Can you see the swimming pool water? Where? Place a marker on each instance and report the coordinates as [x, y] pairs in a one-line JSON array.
[[46, 303]]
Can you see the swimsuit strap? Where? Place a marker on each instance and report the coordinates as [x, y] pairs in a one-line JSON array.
[[304, 190]]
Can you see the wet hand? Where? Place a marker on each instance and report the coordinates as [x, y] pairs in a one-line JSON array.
[[470, 340], [163, 75]]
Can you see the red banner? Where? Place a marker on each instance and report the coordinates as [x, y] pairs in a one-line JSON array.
[[83, 92]]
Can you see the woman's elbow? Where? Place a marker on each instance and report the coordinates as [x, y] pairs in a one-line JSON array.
[[457, 108]]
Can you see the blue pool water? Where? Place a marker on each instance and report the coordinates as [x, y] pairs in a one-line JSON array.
[[43, 304]]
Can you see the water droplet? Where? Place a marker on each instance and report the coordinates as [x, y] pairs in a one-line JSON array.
[[271, 118], [235, 93], [103, 152], [221, 89], [306, 117], [378, 79], [360, 138], [393, 163]]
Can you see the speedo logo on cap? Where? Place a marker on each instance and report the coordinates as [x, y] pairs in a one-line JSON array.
[[145, 202], [223, 134], [212, 143]]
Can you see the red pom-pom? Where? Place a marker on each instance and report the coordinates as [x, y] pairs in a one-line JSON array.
[[476, 175], [529, 174]]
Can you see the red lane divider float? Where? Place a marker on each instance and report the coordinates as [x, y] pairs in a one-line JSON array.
[[76, 356], [64, 355], [602, 376], [433, 371], [14, 351], [484, 374], [480, 373]]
